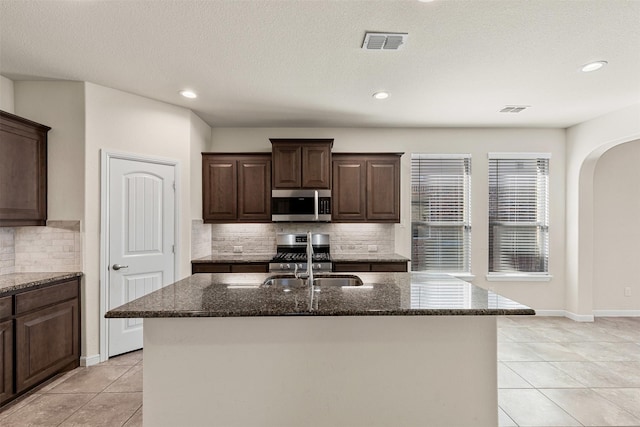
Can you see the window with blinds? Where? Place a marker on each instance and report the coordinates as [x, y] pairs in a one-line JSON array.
[[440, 213], [518, 213]]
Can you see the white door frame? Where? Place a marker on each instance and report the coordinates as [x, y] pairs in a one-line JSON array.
[[105, 156]]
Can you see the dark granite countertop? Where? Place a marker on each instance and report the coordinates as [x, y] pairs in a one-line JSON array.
[[389, 294], [249, 258], [10, 283]]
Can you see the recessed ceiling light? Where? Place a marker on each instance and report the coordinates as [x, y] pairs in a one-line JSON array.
[[381, 95], [188, 94], [593, 66]]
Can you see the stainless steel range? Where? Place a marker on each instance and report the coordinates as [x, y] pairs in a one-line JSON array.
[[291, 251]]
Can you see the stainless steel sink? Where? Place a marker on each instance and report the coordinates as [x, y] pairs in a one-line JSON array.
[[337, 280], [286, 282], [321, 281]]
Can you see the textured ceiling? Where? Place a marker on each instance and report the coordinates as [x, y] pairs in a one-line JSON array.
[[300, 63]]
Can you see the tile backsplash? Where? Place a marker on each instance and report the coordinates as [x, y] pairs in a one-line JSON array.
[[200, 239], [56, 247], [7, 251], [220, 239]]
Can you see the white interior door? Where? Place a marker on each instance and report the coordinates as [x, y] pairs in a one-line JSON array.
[[141, 206]]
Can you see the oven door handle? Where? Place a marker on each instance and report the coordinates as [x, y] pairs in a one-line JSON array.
[[315, 204]]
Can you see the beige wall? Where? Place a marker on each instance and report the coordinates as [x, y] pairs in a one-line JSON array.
[[86, 118], [616, 229], [6, 95], [59, 105], [121, 122], [477, 142], [200, 142], [586, 142]]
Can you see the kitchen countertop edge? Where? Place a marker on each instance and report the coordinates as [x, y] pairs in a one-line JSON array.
[[388, 294], [127, 314], [14, 282], [262, 258]]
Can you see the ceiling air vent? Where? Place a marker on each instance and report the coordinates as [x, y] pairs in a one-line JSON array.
[[514, 108], [384, 41]]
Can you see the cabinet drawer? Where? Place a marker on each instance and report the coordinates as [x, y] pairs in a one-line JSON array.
[[210, 268], [5, 307], [32, 300], [351, 266], [250, 268]]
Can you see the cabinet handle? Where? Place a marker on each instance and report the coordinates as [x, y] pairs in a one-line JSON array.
[[118, 266]]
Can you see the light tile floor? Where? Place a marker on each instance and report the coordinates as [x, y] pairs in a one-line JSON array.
[[108, 394], [551, 372]]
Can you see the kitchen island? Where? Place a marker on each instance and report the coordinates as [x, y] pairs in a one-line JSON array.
[[403, 349]]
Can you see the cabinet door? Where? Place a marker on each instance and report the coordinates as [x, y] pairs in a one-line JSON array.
[[47, 341], [383, 190], [23, 171], [316, 166], [254, 189], [286, 165], [349, 192], [219, 188], [6, 360]]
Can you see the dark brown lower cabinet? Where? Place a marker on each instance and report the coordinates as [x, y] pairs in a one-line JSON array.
[[6, 359], [39, 336], [46, 342], [216, 267], [361, 266]]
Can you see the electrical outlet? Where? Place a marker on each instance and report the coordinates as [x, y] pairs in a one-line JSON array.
[[373, 248], [627, 291], [237, 249]]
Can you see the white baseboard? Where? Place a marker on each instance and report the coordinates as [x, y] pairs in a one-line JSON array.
[[565, 313], [90, 360], [616, 313], [579, 317], [588, 317]]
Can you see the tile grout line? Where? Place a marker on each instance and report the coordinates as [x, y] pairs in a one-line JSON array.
[[612, 402], [90, 400], [74, 412], [132, 415]]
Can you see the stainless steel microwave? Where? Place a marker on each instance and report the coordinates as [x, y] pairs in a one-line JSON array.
[[301, 205]]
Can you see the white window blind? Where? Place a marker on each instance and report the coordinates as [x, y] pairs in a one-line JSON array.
[[518, 213], [440, 213]]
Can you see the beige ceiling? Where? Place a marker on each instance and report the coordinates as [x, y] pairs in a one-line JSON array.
[[299, 63]]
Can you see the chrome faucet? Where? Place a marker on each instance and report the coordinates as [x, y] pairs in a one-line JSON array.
[[309, 273], [310, 259]]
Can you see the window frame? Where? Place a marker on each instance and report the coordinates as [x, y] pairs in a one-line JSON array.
[[542, 225], [464, 223]]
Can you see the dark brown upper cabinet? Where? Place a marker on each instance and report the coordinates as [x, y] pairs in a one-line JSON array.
[[236, 187], [301, 163], [366, 187], [23, 171]]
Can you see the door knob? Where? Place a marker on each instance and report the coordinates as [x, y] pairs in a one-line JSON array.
[[118, 266]]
